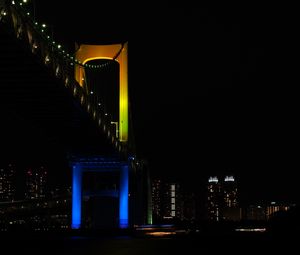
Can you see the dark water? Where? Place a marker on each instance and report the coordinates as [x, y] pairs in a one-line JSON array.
[[237, 244]]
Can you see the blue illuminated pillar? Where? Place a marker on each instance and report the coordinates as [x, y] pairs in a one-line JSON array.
[[76, 197], [123, 199]]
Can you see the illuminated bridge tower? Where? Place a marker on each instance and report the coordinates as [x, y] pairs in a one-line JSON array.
[[102, 185], [115, 52], [104, 165]]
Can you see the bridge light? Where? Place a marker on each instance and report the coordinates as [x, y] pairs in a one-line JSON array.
[[92, 92], [47, 59], [117, 127], [59, 46], [106, 114], [99, 104], [43, 25], [24, 1], [28, 13], [4, 13], [13, 2]]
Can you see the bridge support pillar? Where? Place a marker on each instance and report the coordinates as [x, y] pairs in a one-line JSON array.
[[104, 166], [76, 196], [123, 199]]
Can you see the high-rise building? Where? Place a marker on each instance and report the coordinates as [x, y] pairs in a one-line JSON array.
[[214, 198], [36, 183], [230, 210], [230, 192], [8, 183], [171, 201], [166, 201], [222, 201], [156, 189]]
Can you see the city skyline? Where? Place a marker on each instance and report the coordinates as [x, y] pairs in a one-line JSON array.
[[228, 117]]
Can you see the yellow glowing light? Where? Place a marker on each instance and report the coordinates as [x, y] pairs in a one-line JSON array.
[[86, 53], [159, 234]]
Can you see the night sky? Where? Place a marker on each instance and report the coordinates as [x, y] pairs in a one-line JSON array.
[[210, 88]]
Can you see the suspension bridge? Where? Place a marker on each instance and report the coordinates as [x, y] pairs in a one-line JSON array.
[[82, 73]]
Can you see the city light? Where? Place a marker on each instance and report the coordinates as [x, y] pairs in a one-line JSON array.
[[213, 179], [229, 179]]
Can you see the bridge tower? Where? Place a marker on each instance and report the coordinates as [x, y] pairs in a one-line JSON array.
[[116, 52], [104, 165]]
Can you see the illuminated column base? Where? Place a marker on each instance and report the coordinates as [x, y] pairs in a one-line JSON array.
[[78, 169], [76, 197], [123, 199]]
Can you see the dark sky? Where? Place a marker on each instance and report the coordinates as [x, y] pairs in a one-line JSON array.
[[210, 88]]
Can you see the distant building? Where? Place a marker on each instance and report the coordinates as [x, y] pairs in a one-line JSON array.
[[8, 183], [188, 206], [265, 211], [36, 180], [230, 192], [167, 203], [255, 212], [222, 202], [156, 191], [171, 207], [230, 210], [274, 207], [214, 198]]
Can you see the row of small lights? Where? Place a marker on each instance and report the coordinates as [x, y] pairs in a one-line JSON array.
[[41, 28]]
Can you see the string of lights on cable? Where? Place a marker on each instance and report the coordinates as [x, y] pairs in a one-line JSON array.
[[41, 29]]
